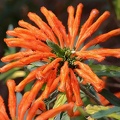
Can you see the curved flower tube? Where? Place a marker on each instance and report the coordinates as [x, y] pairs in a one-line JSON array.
[[64, 59]]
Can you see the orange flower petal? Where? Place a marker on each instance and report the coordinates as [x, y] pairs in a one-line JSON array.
[[3, 117], [21, 33], [70, 10], [3, 113], [31, 76], [101, 38], [53, 25], [32, 111], [88, 55], [51, 65], [49, 80], [43, 26], [90, 30], [17, 55], [76, 24], [54, 84], [38, 33], [21, 104], [68, 89], [75, 88], [51, 113], [60, 27], [30, 97], [25, 61], [94, 13], [98, 85], [64, 71], [12, 98], [28, 43]]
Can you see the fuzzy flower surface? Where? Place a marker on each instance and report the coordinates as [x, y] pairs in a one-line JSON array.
[[63, 55]]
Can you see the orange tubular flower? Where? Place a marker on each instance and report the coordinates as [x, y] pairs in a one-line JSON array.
[[3, 114], [12, 98], [51, 113], [63, 58]]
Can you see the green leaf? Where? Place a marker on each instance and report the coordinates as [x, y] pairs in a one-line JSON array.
[[81, 117], [65, 117], [117, 8], [9, 74], [106, 70], [61, 99], [92, 109], [28, 87], [34, 65], [98, 111], [55, 48], [9, 51], [110, 97], [111, 112]]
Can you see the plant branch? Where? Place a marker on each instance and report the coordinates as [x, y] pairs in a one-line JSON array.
[[89, 94]]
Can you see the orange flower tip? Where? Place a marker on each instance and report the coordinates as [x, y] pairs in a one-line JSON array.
[[94, 12], [107, 13], [80, 5], [8, 32], [61, 89], [99, 87], [5, 59], [2, 70], [101, 59], [30, 14], [43, 9], [118, 31], [11, 83], [40, 75], [20, 22], [70, 8], [79, 103], [76, 63], [17, 89], [5, 39]]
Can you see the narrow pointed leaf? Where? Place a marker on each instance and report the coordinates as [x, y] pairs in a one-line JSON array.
[[110, 97], [111, 112], [55, 48]]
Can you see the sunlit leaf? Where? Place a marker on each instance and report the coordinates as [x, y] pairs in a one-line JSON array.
[[61, 99], [17, 74], [91, 109], [8, 74], [97, 111], [111, 112]]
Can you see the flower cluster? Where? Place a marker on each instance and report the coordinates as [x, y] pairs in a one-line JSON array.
[[64, 69]]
